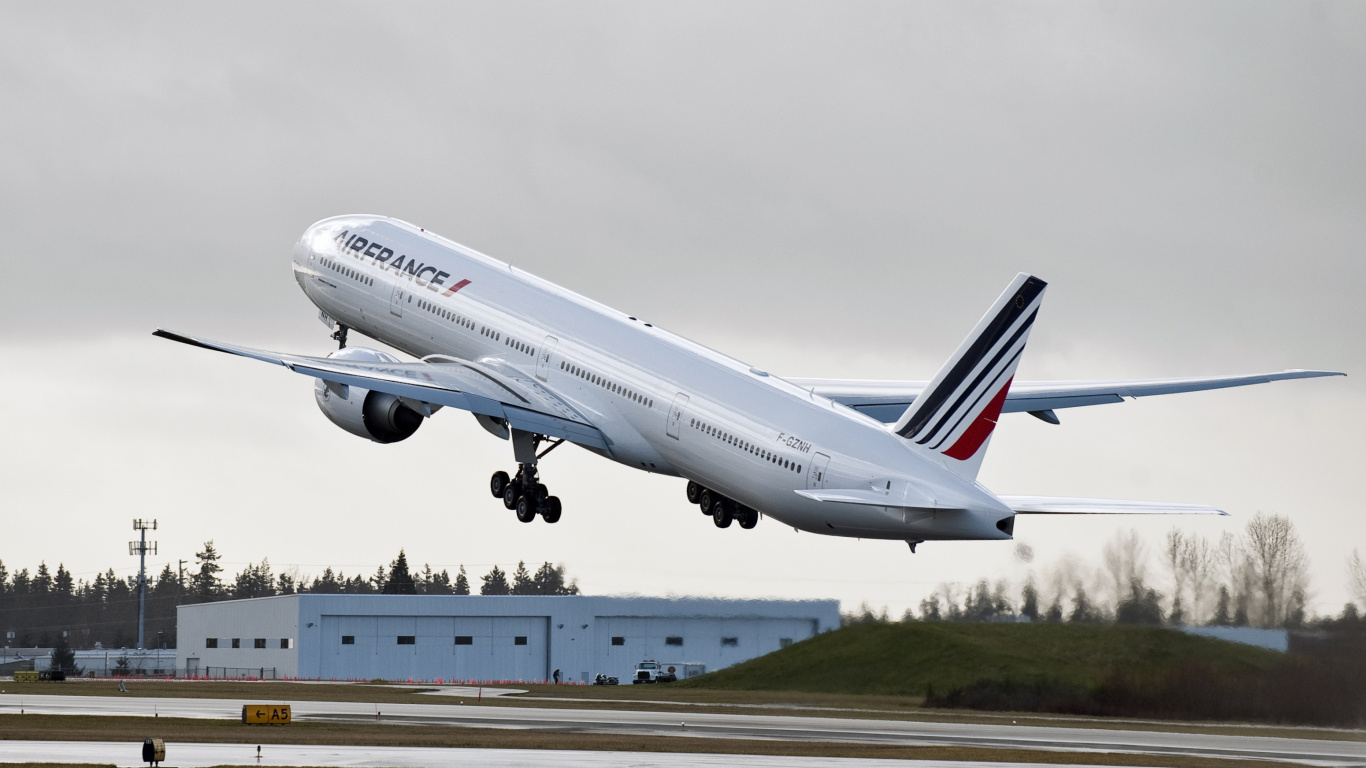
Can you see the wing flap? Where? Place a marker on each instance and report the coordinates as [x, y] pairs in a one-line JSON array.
[[1066, 505], [468, 386]]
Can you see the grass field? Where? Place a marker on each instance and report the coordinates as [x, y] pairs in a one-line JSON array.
[[134, 729], [910, 658]]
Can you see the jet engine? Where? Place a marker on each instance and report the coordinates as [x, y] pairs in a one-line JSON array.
[[377, 416]]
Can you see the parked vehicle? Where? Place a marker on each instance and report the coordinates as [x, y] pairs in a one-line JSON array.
[[651, 671], [602, 679]]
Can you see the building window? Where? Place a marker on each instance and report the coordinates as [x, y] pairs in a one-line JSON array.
[[519, 640], [618, 641], [407, 640], [673, 641], [286, 643], [348, 639], [464, 640], [210, 642], [730, 641], [784, 642], [237, 642], [260, 642]]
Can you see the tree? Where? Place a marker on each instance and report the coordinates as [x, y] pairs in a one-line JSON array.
[[1197, 560], [204, 584], [549, 580], [63, 659], [1142, 606], [254, 581], [495, 582], [1174, 557], [400, 582], [1278, 564], [1030, 597], [929, 608], [1356, 577], [1126, 560], [462, 582], [327, 584], [1082, 610], [521, 581]]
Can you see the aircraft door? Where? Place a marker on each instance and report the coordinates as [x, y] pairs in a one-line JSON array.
[[676, 415], [396, 301], [543, 362], [815, 478]]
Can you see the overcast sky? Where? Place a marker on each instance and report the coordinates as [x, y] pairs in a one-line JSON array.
[[831, 189]]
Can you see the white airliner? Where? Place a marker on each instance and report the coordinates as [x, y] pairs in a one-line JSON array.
[[538, 364]]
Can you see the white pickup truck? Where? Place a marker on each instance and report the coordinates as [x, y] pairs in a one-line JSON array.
[[651, 671]]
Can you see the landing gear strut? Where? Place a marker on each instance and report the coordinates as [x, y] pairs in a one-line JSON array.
[[340, 336], [524, 493]]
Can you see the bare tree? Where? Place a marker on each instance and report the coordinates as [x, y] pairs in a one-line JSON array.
[[1197, 560], [1126, 562], [1173, 556], [1356, 577], [1277, 563]]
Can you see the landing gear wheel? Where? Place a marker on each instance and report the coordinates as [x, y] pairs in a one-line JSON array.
[[748, 517], [510, 495], [499, 483], [542, 493], [694, 493], [550, 510], [720, 513], [706, 499], [526, 510]]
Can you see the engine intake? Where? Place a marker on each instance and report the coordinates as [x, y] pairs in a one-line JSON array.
[[377, 416]]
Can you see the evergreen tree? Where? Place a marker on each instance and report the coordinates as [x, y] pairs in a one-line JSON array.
[[1082, 610], [495, 582], [42, 581], [929, 609], [1142, 606], [287, 585], [462, 582], [521, 581], [327, 584], [550, 580], [1054, 615], [255, 581], [1221, 610], [1031, 601], [62, 585], [400, 582], [378, 581], [205, 584], [63, 658]]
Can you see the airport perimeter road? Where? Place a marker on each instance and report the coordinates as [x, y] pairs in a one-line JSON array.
[[701, 724], [205, 755]]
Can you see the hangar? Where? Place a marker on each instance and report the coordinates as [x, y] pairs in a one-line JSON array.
[[485, 638]]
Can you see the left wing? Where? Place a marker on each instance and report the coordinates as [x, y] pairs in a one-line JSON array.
[[501, 393], [886, 401]]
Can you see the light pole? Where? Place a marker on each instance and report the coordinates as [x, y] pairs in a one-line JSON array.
[[141, 548]]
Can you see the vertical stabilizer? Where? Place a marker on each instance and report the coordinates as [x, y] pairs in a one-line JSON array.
[[954, 416]]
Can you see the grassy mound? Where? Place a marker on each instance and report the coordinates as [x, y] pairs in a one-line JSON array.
[[913, 658]]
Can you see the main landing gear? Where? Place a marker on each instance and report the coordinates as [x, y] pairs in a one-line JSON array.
[[721, 509], [524, 492], [339, 336]]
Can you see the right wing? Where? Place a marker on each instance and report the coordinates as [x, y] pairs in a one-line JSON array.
[[500, 393], [886, 401]]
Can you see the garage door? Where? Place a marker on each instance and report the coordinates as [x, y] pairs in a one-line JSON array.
[[483, 649]]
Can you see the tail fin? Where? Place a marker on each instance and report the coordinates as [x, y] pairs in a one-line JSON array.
[[955, 414]]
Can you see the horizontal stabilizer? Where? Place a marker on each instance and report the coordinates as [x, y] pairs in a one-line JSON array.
[[870, 498], [1065, 505]]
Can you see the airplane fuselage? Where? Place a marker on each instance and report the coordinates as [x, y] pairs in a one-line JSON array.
[[665, 404]]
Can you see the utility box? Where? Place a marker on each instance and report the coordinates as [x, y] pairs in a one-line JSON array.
[[153, 751], [266, 714]]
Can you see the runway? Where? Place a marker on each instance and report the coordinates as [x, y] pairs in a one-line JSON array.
[[204, 755], [704, 725]]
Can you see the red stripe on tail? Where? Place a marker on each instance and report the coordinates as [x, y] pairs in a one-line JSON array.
[[975, 435]]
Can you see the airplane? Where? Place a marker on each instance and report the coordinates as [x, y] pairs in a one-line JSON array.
[[539, 365]]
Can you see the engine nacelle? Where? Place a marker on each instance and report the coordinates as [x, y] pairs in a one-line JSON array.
[[377, 416]]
